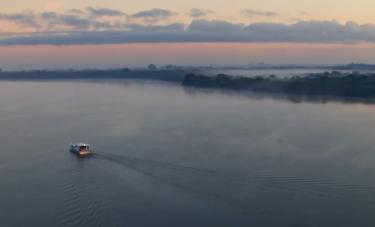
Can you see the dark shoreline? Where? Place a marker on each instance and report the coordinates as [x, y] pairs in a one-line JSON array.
[[318, 86], [160, 75], [333, 84]]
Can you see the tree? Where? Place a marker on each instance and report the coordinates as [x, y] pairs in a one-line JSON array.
[[152, 67]]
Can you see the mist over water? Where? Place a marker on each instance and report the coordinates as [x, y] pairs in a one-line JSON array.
[[169, 156], [282, 73]]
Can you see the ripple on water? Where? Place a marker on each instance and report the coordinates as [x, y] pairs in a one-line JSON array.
[[80, 207]]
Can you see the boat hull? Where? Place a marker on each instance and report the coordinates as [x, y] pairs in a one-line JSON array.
[[82, 153]]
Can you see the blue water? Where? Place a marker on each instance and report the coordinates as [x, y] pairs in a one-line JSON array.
[[167, 156]]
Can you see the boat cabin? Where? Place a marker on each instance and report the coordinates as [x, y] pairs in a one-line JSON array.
[[81, 149]]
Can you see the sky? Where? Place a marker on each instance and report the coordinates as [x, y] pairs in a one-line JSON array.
[[42, 34]]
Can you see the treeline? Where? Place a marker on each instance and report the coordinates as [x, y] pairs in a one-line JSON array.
[[345, 85], [162, 75], [353, 85]]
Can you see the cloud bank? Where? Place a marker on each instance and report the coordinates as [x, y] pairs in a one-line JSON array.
[[198, 13], [101, 12], [154, 15], [25, 19], [257, 13], [109, 26]]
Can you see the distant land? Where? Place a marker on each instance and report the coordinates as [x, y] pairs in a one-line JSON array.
[[163, 75], [351, 66], [347, 81], [152, 69], [351, 85]]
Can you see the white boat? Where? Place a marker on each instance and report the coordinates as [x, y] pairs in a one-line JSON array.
[[81, 149]]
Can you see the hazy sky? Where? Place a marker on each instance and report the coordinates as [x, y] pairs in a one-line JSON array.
[[114, 33]]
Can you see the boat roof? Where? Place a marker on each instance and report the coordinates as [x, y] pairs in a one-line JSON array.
[[81, 144]]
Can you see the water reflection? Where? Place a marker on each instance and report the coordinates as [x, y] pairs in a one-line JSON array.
[[165, 155], [290, 98]]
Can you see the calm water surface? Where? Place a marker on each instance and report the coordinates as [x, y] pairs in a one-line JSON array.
[[165, 156]]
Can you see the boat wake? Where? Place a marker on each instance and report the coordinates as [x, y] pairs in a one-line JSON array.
[[245, 190], [80, 206]]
